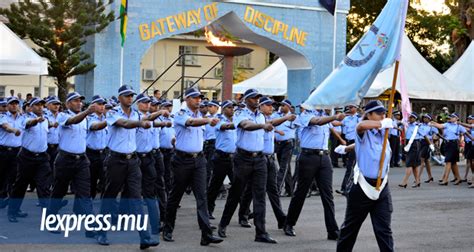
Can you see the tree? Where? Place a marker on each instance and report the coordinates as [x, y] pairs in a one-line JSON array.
[[427, 30], [59, 28]]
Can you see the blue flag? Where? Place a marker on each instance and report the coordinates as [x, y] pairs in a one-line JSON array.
[[375, 51], [330, 5]]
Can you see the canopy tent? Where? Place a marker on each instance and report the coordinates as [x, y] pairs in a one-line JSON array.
[[461, 73], [16, 57], [271, 81], [422, 80]]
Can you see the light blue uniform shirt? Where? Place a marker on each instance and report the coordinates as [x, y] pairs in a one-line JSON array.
[[410, 129], [313, 136], [289, 128], [225, 139], [368, 149], [9, 139], [427, 130], [349, 124], [269, 138], [72, 137], [144, 137], [167, 134], [249, 140], [452, 131], [155, 136], [210, 131], [121, 140], [394, 131], [96, 139], [53, 134], [188, 139], [35, 139]]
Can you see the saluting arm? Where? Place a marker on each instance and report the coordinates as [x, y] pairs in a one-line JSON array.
[[161, 124], [367, 125], [196, 122], [227, 126], [131, 124], [437, 125], [325, 119], [250, 126], [10, 129], [466, 125], [279, 121], [33, 122], [338, 136], [80, 116], [98, 126]]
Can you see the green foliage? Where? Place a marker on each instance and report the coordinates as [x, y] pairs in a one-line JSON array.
[[59, 28]]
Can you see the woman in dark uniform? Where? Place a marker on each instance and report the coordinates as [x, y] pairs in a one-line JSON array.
[[469, 150], [362, 197]]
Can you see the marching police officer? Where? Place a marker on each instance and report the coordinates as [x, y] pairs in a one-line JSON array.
[[51, 114], [314, 162], [266, 108], [33, 160], [412, 148], [122, 163], [249, 165], [96, 142], [427, 145], [210, 137], [72, 164], [395, 139], [222, 159], [362, 197], [284, 146], [10, 143], [189, 166], [167, 142], [3, 106]]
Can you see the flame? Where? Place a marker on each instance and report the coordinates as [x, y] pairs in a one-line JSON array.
[[216, 41]]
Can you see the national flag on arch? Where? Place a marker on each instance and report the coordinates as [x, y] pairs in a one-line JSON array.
[[123, 20], [375, 51]]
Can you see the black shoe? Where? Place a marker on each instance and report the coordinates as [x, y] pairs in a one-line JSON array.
[[429, 180], [265, 238], [341, 192], [403, 186], [207, 239], [454, 180], [281, 224], [102, 240], [146, 243], [221, 232], [463, 180], [416, 185], [211, 217], [12, 218], [91, 234], [167, 236], [21, 214], [245, 224], [289, 231], [333, 235], [443, 184]]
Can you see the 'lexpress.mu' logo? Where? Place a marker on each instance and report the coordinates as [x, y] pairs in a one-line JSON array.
[[92, 222]]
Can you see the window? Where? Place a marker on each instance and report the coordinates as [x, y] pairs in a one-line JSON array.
[[214, 95], [36, 92], [243, 61], [2, 91], [189, 60], [51, 91], [176, 94]]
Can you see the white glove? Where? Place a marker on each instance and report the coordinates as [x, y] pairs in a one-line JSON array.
[[407, 147], [341, 149], [387, 123], [432, 148]]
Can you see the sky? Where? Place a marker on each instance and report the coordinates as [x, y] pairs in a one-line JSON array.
[[432, 5]]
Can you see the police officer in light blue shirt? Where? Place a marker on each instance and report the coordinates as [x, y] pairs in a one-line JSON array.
[[250, 165], [210, 136], [413, 159], [395, 139], [369, 141], [314, 162], [284, 146], [52, 112], [167, 141], [96, 142], [426, 146], [10, 143], [122, 164], [222, 161], [3, 106], [33, 160], [189, 166], [72, 164]]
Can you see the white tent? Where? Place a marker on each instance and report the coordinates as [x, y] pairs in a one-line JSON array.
[[461, 73], [271, 81], [16, 57], [423, 81]]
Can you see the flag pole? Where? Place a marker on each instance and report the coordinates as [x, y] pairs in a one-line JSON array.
[[334, 37], [389, 115], [121, 66]]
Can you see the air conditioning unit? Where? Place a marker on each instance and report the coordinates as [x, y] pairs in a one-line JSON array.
[[149, 74], [218, 72]]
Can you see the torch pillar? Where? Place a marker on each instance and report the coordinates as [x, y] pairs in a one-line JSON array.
[[227, 78]]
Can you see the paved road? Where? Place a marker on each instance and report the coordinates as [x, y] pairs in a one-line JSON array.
[[430, 218]]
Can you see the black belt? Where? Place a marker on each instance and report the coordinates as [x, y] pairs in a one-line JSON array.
[[155, 151], [166, 150], [284, 141], [144, 154], [210, 141], [123, 155], [31, 153], [452, 141], [9, 148], [350, 141], [95, 151], [73, 155], [371, 181], [319, 152], [53, 146], [249, 153], [224, 154], [188, 154]]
